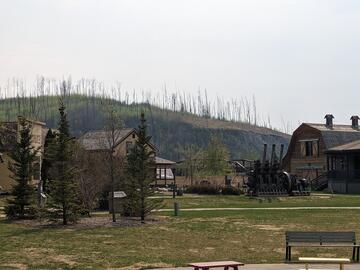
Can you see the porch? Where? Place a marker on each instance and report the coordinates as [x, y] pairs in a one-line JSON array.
[[165, 172], [343, 163]]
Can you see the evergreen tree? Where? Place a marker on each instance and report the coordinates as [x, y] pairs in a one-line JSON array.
[[46, 163], [63, 186], [140, 174], [23, 157]]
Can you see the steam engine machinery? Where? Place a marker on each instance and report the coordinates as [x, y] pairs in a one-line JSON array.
[[266, 178]]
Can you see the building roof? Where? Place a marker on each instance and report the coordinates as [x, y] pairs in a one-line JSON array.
[[348, 147], [98, 140], [336, 134], [336, 128], [162, 161]]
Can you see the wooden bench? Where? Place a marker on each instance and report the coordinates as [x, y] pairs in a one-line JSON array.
[[208, 265], [322, 239], [307, 261]]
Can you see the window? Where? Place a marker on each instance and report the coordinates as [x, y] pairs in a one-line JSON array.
[[129, 145], [309, 149]]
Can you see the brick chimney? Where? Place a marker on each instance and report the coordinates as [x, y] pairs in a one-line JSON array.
[[329, 120], [355, 121]]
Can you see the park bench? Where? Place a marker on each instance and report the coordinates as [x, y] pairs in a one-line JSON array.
[[340, 261], [208, 265], [322, 239]]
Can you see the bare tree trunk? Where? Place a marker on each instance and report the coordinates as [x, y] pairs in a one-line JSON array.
[[112, 187]]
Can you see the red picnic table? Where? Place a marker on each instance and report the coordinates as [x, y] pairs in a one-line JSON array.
[[207, 265]]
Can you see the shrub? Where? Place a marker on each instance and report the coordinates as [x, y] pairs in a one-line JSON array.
[[12, 212], [230, 191], [203, 189]]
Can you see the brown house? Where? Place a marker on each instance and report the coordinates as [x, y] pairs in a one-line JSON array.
[[125, 139], [99, 141], [306, 156], [9, 133]]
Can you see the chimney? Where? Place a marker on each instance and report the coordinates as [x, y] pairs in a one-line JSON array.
[[355, 121], [272, 160], [264, 153], [281, 156], [329, 120]]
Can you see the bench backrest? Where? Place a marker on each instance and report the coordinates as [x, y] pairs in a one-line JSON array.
[[321, 237]]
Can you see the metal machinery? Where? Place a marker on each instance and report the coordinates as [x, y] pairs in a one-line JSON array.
[[266, 178]]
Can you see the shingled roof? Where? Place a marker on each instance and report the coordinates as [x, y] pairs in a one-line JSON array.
[[348, 147], [98, 140], [163, 161], [337, 134]]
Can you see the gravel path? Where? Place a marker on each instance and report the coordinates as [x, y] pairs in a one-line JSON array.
[[260, 208], [294, 266]]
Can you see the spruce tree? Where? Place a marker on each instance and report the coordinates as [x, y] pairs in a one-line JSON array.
[[63, 186], [141, 173], [23, 157], [47, 160]]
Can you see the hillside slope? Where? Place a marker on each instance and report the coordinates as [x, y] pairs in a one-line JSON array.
[[171, 131]]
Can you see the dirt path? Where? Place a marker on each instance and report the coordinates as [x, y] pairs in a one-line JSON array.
[[294, 266], [260, 208]]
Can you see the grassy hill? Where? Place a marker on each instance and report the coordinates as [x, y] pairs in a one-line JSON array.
[[171, 130]]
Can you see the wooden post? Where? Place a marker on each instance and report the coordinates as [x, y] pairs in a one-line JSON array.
[[347, 173], [174, 184], [156, 170], [176, 209]]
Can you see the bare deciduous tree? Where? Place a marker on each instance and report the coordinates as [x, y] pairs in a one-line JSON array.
[[113, 126], [91, 177]]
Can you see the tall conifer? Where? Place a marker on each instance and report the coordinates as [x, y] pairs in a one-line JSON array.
[[63, 186], [141, 173], [23, 157]]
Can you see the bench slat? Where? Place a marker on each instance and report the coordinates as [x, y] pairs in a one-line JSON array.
[[301, 244], [323, 260], [321, 237]]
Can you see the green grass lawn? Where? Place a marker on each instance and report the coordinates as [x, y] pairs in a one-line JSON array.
[[220, 201], [249, 236]]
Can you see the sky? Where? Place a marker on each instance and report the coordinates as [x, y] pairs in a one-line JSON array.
[[299, 58]]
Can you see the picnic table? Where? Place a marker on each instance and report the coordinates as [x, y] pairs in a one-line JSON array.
[[308, 260], [208, 265]]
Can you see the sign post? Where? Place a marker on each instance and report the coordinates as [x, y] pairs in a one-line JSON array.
[[117, 196]]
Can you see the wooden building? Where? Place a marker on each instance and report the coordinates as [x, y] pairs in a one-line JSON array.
[[96, 141], [164, 172], [9, 134], [306, 155], [125, 139], [343, 163]]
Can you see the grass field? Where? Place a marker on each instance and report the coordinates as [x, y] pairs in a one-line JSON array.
[[319, 200], [248, 236]]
